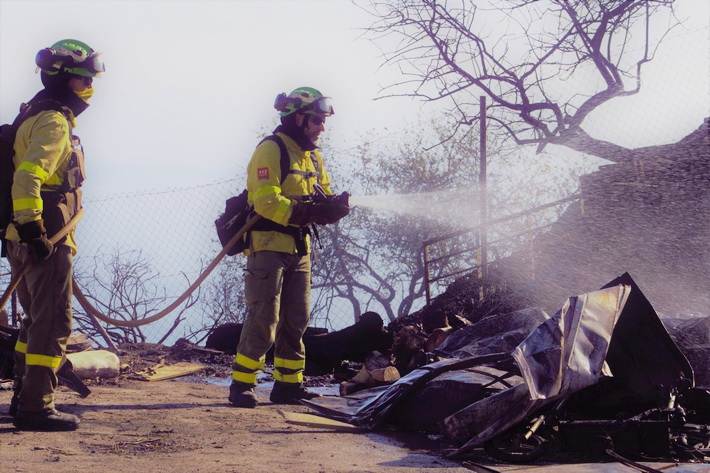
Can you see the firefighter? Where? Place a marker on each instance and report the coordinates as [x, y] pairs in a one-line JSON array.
[[46, 194], [278, 271]]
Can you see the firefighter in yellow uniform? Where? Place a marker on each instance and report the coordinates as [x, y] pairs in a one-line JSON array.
[[278, 272], [45, 195]]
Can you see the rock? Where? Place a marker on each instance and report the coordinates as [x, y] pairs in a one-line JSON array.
[[90, 364]]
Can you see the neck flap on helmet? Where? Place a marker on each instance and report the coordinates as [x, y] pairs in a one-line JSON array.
[[290, 129], [56, 88]]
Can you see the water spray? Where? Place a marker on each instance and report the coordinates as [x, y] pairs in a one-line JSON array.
[[451, 205]]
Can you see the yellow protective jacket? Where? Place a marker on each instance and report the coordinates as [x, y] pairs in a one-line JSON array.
[[43, 147], [274, 200]]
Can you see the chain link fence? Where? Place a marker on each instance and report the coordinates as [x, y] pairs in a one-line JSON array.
[[139, 252]]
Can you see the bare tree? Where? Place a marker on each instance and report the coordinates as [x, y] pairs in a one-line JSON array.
[[355, 270], [407, 192], [123, 286], [224, 300], [518, 52]]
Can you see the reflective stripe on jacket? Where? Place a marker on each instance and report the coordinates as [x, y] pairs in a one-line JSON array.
[[42, 150], [274, 200]]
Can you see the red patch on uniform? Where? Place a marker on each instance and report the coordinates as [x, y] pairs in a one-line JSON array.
[[262, 173]]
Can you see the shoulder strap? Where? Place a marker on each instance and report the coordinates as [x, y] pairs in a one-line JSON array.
[[316, 164], [285, 162], [31, 108]]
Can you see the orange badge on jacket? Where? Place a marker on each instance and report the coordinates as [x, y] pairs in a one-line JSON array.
[[262, 173]]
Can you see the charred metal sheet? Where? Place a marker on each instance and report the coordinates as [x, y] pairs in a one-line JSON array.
[[373, 406], [641, 350], [499, 333], [449, 393], [566, 353]]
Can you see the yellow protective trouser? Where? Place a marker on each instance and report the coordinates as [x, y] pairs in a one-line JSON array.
[[278, 289], [45, 295]]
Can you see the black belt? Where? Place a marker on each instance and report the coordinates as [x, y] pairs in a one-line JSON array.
[[298, 233]]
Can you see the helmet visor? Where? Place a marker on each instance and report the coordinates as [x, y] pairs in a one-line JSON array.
[[94, 63], [323, 105], [92, 66]]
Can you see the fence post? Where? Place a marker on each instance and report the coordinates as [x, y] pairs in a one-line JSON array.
[[483, 201], [426, 274]]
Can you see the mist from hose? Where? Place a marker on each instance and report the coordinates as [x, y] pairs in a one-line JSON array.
[[676, 294], [435, 205]]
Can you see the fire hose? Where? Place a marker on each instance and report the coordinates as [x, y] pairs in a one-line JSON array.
[[23, 270], [137, 323], [92, 311]]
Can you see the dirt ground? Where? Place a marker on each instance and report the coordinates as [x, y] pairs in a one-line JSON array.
[[187, 424], [169, 426], [176, 426]]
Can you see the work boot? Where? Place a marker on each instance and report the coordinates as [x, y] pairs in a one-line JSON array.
[[14, 404], [290, 393], [15, 401], [45, 420], [242, 395]]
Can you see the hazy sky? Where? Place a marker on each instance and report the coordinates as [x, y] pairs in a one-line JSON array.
[[189, 84]]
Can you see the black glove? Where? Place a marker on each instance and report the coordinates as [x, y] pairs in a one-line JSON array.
[[319, 213], [343, 199], [322, 198], [35, 236]]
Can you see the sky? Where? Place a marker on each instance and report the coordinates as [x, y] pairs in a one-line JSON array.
[[189, 85]]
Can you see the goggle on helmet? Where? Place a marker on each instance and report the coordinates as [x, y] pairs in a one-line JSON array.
[[304, 100], [70, 56]]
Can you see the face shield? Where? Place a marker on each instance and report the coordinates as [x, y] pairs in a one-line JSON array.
[[322, 106]]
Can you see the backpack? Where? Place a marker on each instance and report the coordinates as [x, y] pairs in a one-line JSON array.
[[237, 208], [8, 132]]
